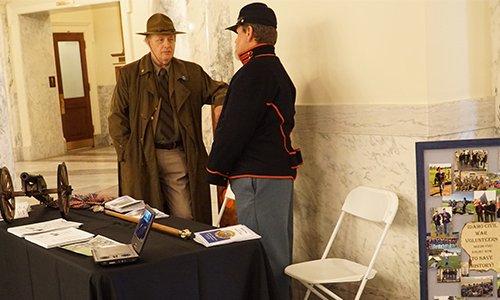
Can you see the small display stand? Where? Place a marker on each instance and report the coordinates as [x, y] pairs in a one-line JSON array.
[[458, 190]]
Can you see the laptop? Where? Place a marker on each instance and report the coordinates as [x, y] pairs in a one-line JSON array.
[[119, 254]]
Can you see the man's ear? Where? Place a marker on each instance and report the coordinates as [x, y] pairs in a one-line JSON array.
[[249, 34]]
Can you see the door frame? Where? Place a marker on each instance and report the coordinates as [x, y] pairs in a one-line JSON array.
[[80, 37]]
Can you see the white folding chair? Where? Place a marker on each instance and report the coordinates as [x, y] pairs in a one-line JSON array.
[[364, 202], [228, 195]]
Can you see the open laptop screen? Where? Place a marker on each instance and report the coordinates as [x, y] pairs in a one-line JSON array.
[[142, 229]]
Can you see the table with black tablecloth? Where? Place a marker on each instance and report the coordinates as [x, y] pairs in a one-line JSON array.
[[169, 267]]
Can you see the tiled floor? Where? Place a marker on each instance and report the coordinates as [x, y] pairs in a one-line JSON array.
[[90, 170]]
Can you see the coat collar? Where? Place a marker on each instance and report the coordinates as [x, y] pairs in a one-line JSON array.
[[145, 65], [178, 67], [257, 50]]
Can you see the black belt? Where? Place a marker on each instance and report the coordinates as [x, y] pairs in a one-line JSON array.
[[168, 146]]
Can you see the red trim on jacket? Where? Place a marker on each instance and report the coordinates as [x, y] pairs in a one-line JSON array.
[[263, 176], [216, 173], [246, 55], [281, 125], [284, 137]]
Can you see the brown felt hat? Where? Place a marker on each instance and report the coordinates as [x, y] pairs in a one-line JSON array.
[[160, 24]]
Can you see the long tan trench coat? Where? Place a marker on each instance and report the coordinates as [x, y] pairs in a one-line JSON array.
[[132, 123]]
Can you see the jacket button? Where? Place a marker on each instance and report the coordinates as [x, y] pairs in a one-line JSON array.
[[152, 118]]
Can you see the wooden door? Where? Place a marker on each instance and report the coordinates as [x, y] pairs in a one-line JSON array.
[[73, 86]]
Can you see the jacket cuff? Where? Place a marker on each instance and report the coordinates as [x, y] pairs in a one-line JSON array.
[[216, 179]]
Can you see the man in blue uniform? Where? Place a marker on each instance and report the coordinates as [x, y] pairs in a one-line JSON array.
[[252, 148]]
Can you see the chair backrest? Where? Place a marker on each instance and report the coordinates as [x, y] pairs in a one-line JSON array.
[[372, 204]]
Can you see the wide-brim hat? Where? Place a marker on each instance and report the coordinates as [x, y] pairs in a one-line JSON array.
[[160, 24], [255, 13]]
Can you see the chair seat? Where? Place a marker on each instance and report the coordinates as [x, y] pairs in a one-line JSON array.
[[330, 270]]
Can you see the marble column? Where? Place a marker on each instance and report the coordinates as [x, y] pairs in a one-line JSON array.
[[206, 42], [7, 155], [42, 101], [6, 132]]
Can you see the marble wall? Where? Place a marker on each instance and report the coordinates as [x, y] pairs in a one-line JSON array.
[[42, 102], [6, 147], [8, 114], [104, 95]]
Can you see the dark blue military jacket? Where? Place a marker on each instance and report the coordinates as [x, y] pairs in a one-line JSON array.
[[252, 138]]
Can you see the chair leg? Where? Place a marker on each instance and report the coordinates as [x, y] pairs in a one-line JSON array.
[[221, 212], [308, 292], [361, 288], [311, 288], [328, 292]]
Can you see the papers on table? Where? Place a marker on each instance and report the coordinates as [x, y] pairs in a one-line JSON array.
[[124, 204], [131, 207], [226, 235], [41, 227], [85, 248], [59, 237], [52, 233]]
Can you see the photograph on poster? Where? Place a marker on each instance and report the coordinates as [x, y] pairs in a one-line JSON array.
[[440, 179], [493, 182], [442, 243], [445, 258], [461, 203], [471, 160], [485, 206], [477, 286], [448, 275], [498, 285], [465, 181], [441, 218]]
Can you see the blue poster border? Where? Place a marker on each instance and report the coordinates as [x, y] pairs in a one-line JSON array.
[[420, 149]]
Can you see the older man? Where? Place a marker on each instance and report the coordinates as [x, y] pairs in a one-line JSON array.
[[155, 124]]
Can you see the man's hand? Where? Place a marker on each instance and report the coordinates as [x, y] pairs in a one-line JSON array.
[[216, 114]]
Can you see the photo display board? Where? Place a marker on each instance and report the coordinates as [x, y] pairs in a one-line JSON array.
[[458, 189]]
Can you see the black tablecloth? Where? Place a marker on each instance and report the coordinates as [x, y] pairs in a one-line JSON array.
[[169, 267]]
